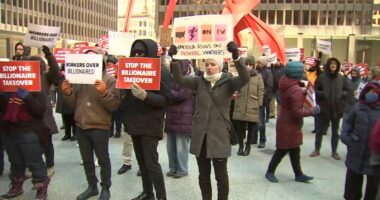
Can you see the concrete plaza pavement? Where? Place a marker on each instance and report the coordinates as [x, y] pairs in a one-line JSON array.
[[246, 174]]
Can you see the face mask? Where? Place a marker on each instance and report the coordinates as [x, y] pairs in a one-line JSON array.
[[371, 97]]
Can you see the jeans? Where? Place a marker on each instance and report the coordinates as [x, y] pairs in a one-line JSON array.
[[221, 175], [354, 183], [294, 155], [24, 150], [262, 126], [90, 141], [323, 123], [147, 158], [177, 146]]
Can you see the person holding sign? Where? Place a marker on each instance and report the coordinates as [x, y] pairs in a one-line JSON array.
[[143, 116], [19, 51], [93, 106], [210, 140]]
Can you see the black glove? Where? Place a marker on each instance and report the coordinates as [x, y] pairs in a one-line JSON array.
[[46, 50], [232, 47], [172, 50]]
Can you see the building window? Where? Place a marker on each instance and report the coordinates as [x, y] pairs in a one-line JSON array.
[[349, 17], [280, 17], [340, 18], [144, 23], [288, 17], [358, 18], [271, 17], [331, 18], [297, 17], [263, 15], [305, 17], [2, 16], [15, 18]]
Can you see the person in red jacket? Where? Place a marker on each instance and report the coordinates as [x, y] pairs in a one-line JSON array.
[[289, 122]]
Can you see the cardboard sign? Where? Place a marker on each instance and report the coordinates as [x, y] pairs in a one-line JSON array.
[[83, 68], [293, 54], [38, 35], [120, 43], [79, 45], [202, 37], [20, 74], [324, 46], [144, 71], [59, 54], [166, 37]]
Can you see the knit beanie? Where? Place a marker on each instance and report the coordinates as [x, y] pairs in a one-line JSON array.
[[220, 61], [250, 60], [263, 60], [294, 69]]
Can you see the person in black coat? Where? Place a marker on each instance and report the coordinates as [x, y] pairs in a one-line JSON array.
[[332, 89], [143, 118]]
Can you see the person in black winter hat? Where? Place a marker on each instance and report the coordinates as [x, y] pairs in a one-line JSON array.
[[143, 118]]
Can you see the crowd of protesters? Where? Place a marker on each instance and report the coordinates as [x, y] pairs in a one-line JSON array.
[[198, 112]]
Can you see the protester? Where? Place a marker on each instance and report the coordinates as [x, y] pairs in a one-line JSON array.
[[247, 108], [178, 124], [374, 161], [143, 116], [66, 110], [27, 131], [356, 132], [261, 66], [116, 115], [210, 140], [332, 90], [93, 106], [354, 84], [19, 51], [290, 121], [277, 71]]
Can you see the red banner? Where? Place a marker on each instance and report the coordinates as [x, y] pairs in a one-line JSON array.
[[144, 71], [79, 45], [111, 69], [59, 54], [20, 74], [103, 42]]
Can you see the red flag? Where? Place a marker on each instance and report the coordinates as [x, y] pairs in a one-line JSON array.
[[103, 42], [310, 61], [169, 13]]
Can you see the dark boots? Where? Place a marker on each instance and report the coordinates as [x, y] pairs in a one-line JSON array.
[[16, 187], [105, 193], [241, 148], [92, 190], [247, 150], [41, 188]]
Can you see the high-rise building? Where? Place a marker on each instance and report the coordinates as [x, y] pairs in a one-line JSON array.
[[142, 19], [79, 20], [347, 23]]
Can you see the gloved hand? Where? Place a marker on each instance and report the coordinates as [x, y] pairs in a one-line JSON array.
[[66, 87], [101, 87], [46, 50], [232, 47], [172, 50], [138, 92], [22, 93], [316, 110]]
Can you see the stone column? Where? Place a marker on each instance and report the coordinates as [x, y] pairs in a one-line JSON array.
[[351, 48], [300, 40]]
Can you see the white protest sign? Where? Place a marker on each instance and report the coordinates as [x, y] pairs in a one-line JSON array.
[[243, 52], [293, 54], [83, 68], [120, 43], [272, 58], [324, 46], [201, 37], [38, 35], [266, 50]]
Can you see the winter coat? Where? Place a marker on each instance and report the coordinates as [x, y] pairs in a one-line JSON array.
[[356, 131], [331, 89], [249, 99], [62, 106], [146, 118], [93, 111], [290, 119], [374, 144], [268, 85], [277, 71], [179, 114], [208, 121]]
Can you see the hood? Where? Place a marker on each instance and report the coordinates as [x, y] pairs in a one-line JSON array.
[[326, 67], [372, 85], [150, 45], [285, 83]]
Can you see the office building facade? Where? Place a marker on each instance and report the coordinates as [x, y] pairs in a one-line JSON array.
[[347, 23], [79, 20]]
